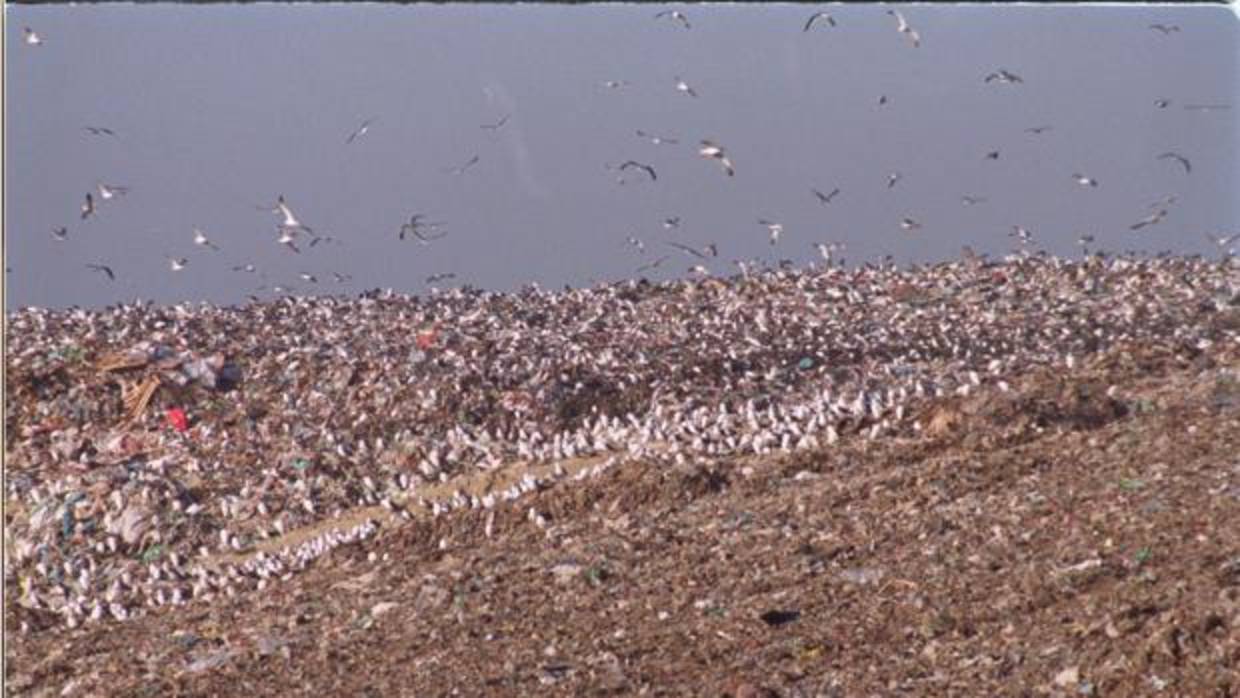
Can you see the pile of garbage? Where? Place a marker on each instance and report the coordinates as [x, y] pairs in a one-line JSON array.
[[145, 440]]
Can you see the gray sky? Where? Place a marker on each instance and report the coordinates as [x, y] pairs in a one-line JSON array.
[[219, 108]]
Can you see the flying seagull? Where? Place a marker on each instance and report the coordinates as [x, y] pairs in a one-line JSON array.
[[909, 224], [341, 278], [290, 221], [61, 233], [1023, 233], [1003, 76], [641, 246], [633, 163], [443, 276], [773, 229], [1038, 130], [1085, 181], [687, 249], [1222, 240], [882, 99], [32, 39], [1165, 201], [416, 226], [675, 15], [177, 263], [308, 278], [615, 84], [672, 222], [683, 86], [1151, 219], [360, 131], [710, 149], [103, 269], [497, 125], [817, 16], [287, 236], [99, 131], [461, 170], [89, 206], [200, 238], [828, 249], [893, 178], [1162, 103], [657, 140], [108, 192], [972, 200], [1188, 166], [1165, 28], [825, 198], [248, 268], [905, 29], [992, 155], [652, 265]]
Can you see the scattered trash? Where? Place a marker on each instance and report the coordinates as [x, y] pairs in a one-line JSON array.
[[776, 618], [177, 418]]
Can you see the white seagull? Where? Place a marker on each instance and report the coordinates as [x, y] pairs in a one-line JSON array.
[[360, 131], [710, 149], [61, 233], [290, 221], [893, 178], [1085, 181], [177, 263], [905, 29], [828, 249], [675, 15], [107, 192], [32, 39], [287, 236], [657, 140], [1025, 236], [683, 86], [200, 238], [88, 207], [909, 224], [773, 229]]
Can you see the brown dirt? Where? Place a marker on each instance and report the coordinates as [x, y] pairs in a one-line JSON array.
[[1051, 540]]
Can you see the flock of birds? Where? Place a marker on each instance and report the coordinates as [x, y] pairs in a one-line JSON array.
[[290, 230]]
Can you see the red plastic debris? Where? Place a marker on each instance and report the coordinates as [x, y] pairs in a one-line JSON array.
[[177, 418], [426, 340]]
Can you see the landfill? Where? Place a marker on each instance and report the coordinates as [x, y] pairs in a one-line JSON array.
[[173, 455]]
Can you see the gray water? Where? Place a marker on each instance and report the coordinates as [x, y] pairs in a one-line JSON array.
[[218, 109]]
